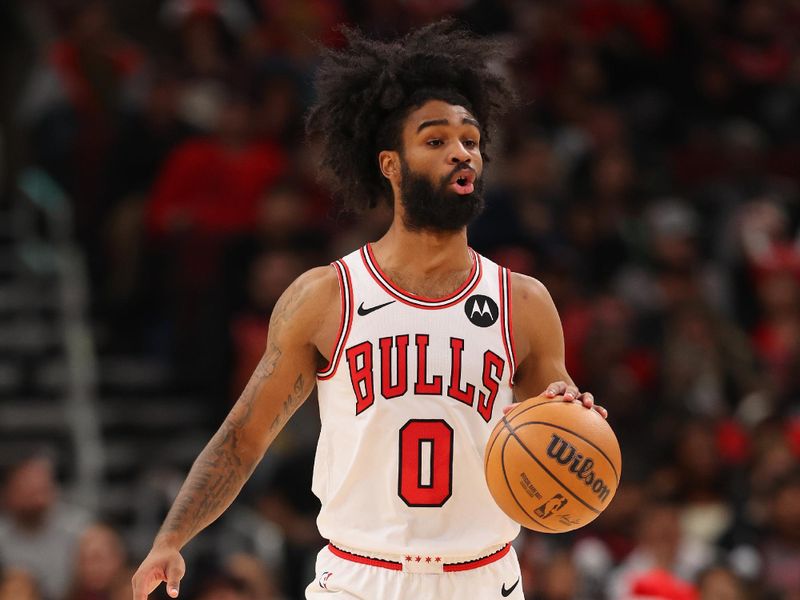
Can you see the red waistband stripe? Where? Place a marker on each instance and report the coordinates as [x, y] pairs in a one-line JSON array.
[[365, 560], [478, 562], [398, 566]]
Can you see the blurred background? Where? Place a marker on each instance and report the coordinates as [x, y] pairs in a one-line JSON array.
[[156, 197]]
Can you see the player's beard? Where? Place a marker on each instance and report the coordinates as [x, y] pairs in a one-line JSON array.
[[430, 207]]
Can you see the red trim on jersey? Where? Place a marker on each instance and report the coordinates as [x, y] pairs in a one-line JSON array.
[[471, 282], [345, 319], [365, 560], [478, 562], [342, 316], [505, 323], [509, 296]]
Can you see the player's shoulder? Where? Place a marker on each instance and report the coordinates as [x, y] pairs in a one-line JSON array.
[[528, 290], [307, 313], [316, 288], [535, 318], [318, 279]]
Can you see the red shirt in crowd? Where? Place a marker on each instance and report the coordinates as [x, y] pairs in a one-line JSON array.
[[207, 187]]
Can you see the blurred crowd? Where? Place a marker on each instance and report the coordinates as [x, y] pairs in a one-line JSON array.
[[649, 178]]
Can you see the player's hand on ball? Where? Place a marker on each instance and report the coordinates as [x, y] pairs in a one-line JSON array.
[[570, 393], [162, 564]]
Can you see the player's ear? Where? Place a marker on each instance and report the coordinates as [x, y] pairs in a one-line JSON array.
[[389, 161]]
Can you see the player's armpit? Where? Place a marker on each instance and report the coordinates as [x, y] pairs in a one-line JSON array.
[[281, 382], [538, 337]]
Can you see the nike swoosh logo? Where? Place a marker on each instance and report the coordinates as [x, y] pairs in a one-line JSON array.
[[365, 311], [507, 592]]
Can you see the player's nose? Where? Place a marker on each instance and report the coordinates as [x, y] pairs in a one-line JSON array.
[[459, 154]]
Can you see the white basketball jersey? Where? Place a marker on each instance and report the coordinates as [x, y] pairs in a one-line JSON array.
[[412, 391]]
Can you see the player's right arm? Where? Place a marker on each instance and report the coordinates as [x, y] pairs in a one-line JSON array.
[[281, 382]]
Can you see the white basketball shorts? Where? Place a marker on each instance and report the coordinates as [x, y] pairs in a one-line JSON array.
[[346, 575]]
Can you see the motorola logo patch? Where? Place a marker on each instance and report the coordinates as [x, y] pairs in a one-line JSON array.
[[481, 310]]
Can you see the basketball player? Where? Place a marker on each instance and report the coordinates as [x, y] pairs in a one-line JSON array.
[[415, 342]]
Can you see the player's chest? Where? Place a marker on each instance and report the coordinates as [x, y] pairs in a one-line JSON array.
[[442, 364]]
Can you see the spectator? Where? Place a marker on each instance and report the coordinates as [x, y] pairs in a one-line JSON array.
[[660, 584], [223, 587], [205, 44], [280, 104], [18, 585], [558, 579], [661, 546], [39, 533], [708, 366], [75, 97], [611, 538], [776, 336], [597, 223], [781, 547], [147, 135], [210, 186], [721, 583], [101, 571], [288, 502], [207, 192], [255, 574], [287, 31]]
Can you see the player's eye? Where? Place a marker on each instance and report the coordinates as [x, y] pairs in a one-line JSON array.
[[470, 144], [434, 143]]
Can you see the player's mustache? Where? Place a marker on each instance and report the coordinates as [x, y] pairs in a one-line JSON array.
[[462, 166]]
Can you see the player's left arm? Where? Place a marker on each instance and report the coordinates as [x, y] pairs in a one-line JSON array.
[[539, 343]]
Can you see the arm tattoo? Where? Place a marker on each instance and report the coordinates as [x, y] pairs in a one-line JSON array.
[[285, 308], [292, 402], [241, 413], [213, 482], [223, 466]]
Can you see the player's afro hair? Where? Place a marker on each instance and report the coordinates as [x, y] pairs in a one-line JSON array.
[[366, 90]]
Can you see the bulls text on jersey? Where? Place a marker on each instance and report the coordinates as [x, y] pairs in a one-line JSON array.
[[395, 381]]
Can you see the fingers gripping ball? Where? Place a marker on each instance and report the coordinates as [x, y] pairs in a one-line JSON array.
[[552, 466]]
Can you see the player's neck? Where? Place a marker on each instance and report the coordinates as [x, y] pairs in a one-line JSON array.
[[422, 253]]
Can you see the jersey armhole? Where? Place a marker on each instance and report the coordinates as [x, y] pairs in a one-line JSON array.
[[506, 323], [345, 319]]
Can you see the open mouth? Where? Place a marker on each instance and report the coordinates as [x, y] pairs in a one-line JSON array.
[[464, 182]]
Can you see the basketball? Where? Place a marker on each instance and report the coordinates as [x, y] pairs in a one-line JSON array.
[[552, 466]]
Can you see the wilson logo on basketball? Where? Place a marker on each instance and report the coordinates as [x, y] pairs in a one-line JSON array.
[[581, 466]]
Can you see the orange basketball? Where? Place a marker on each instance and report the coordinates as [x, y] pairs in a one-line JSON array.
[[552, 466]]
